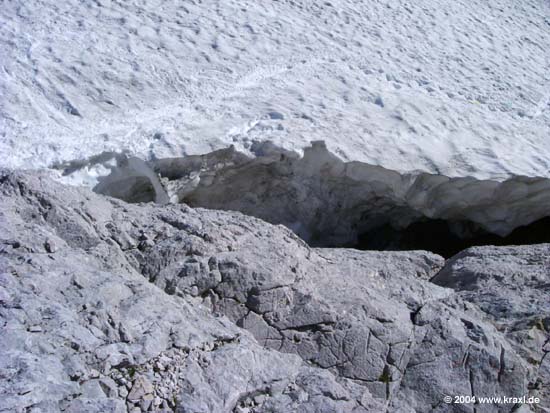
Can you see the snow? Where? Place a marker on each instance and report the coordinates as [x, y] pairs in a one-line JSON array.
[[460, 88]]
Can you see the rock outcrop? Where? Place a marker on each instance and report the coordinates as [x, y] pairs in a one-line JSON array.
[[511, 286], [114, 307]]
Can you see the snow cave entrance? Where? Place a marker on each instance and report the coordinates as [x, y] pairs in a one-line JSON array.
[[441, 237], [331, 203]]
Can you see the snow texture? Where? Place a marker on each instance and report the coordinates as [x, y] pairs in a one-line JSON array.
[[459, 88]]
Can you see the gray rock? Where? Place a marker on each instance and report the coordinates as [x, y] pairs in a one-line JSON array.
[[49, 246], [242, 314], [80, 405], [92, 389], [123, 392], [511, 286], [109, 387], [140, 388], [146, 403]]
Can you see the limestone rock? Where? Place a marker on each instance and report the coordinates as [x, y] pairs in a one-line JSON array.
[[221, 312], [511, 286], [140, 389]]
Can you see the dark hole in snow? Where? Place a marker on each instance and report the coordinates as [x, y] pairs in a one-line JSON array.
[[332, 203], [276, 115], [132, 189], [439, 236]]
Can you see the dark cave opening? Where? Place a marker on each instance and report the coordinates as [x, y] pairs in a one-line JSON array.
[[132, 189], [440, 236], [333, 204]]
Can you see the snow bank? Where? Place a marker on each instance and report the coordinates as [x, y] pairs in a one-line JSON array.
[[323, 199], [457, 88]]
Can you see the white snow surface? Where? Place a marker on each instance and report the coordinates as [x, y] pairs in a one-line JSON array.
[[456, 87]]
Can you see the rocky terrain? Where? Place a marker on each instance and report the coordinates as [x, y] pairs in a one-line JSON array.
[[113, 307], [459, 88], [274, 206]]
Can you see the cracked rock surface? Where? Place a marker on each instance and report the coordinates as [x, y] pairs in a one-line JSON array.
[[114, 307], [511, 286]]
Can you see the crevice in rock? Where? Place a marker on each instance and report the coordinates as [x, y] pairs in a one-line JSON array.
[[332, 203], [472, 391], [501, 364]]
